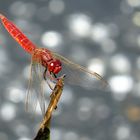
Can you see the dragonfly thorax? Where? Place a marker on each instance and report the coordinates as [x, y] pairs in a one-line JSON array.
[[45, 58]]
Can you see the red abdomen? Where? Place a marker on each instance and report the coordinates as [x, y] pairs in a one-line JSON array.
[[25, 43]]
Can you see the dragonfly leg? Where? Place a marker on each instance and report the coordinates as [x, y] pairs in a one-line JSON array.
[[51, 75], [54, 75], [44, 74]]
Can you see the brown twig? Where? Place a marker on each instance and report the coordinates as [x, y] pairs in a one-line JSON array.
[[44, 131]]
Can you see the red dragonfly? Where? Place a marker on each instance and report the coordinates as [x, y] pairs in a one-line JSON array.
[[46, 64]]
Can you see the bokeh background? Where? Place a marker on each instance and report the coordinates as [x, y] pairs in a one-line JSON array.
[[104, 36]]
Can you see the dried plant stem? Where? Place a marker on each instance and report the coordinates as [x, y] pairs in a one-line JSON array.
[[44, 131]]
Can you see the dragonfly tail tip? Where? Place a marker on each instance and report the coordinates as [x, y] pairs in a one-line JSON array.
[[1, 16]]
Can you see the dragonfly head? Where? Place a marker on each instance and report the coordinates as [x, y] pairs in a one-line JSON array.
[[55, 66]]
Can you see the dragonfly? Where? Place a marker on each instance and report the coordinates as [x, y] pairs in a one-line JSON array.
[[48, 65]]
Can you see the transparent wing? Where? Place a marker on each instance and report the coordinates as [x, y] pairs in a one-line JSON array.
[[35, 92], [79, 75]]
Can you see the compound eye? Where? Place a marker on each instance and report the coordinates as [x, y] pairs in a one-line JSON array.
[[57, 63], [51, 66], [55, 66], [57, 69]]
